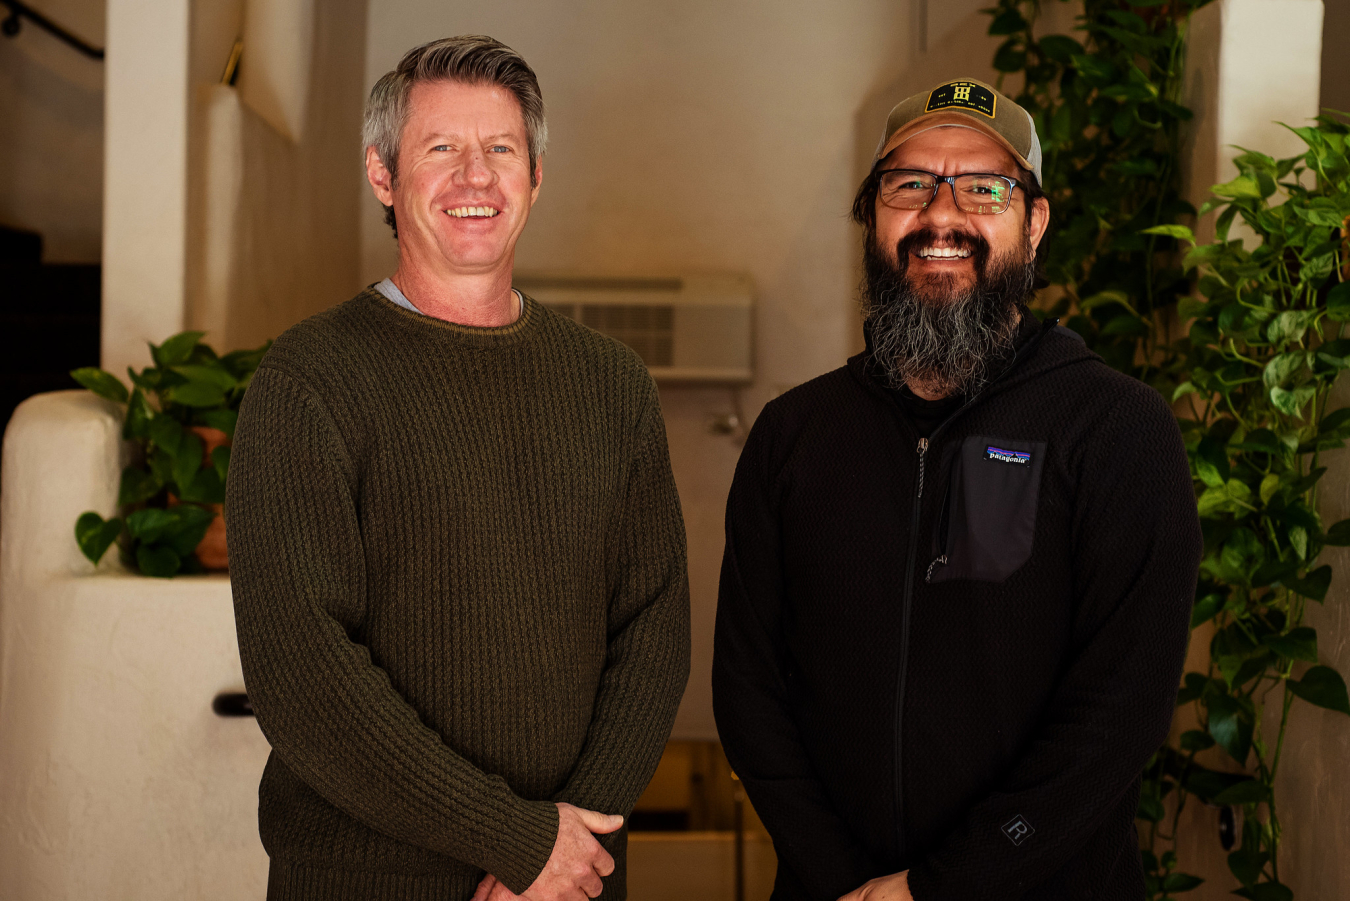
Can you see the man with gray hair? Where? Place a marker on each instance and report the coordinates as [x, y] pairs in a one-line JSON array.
[[456, 548]]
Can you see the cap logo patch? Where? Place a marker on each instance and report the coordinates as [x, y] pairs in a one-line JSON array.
[[963, 95], [1021, 458]]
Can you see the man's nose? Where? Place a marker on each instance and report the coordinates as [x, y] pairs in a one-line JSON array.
[[475, 170], [942, 210]]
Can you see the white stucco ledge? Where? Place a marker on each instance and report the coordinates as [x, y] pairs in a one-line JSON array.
[[116, 779]]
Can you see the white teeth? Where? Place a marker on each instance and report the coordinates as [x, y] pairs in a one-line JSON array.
[[464, 212], [943, 253]]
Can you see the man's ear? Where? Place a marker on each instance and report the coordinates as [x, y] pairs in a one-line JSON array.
[[381, 179], [1039, 222], [538, 178]]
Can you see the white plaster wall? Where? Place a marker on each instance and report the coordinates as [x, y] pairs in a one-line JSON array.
[[51, 133], [690, 136], [116, 780]]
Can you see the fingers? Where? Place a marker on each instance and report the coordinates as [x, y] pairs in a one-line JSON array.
[[599, 823], [603, 862], [591, 884], [501, 893], [485, 887]]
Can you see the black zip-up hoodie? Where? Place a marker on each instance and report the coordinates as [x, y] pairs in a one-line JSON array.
[[954, 655]]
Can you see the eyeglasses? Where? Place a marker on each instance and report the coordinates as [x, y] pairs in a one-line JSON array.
[[914, 189]]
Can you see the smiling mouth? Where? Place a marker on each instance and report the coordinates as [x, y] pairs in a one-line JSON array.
[[941, 253], [472, 212]]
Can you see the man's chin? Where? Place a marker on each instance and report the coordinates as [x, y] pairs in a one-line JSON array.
[[939, 288]]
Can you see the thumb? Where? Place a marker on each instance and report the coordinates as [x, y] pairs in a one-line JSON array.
[[599, 823]]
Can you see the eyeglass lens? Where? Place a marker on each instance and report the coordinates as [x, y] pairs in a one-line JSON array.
[[913, 190]]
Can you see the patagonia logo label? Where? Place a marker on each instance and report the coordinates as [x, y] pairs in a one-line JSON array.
[[963, 95], [1021, 458], [1018, 830]]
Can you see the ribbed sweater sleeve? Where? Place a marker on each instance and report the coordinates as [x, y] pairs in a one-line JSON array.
[[647, 662], [330, 713], [1136, 556], [750, 695]]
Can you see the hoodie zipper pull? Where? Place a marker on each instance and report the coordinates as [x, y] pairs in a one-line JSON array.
[[923, 452]]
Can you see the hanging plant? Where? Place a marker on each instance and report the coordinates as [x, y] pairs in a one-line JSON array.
[[1261, 357], [180, 417]]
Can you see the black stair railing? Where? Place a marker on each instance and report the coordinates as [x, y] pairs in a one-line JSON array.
[[13, 23]]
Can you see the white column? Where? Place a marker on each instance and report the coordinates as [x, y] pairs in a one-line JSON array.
[[145, 177], [1250, 65]]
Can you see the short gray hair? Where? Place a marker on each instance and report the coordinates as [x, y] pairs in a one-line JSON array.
[[467, 58]]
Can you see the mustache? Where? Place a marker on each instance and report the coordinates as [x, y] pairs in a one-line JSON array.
[[928, 236]]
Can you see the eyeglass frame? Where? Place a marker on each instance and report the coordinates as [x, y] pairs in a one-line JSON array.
[[951, 181]]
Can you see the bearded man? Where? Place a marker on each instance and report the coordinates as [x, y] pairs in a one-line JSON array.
[[958, 570]]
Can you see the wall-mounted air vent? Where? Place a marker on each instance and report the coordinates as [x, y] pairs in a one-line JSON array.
[[694, 328]]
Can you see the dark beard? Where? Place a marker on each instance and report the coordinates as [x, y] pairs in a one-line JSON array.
[[933, 333]]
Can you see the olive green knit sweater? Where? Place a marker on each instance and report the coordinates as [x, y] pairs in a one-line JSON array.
[[460, 591]]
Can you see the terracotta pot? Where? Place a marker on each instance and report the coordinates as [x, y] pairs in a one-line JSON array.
[[212, 551]]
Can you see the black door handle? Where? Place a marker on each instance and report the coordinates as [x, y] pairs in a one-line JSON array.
[[232, 703]]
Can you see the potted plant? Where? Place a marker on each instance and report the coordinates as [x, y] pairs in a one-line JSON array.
[[180, 416]]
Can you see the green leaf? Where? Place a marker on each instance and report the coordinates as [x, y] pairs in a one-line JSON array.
[[1196, 740], [1338, 302], [1296, 644], [197, 394], [1192, 688], [149, 524], [1060, 48], [139, 415], [137, 486], [166, 432], [1314, 585], [206, 487], [1323, 686], [1151, 810], [1266, 891], [1209, 474], [1338, 535], [220, 459], [1242, 186], [1010, 57], [95, 535], [1007, 22], [104, 384], [157, 560], [1206, 608], [1180, 232], [187, 462], [1269, 485], [224, 420], [1291, 403], [190, 529], [1180, 882], [1250, 791], [176, 350], [210, 375], [1231, 726]]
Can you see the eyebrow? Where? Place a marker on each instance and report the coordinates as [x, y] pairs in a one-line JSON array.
[[443, 136]]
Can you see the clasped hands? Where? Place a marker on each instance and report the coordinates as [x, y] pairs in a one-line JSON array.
[[575, 867], [885, 888]]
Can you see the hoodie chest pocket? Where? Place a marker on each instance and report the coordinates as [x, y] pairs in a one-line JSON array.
[[988, 520]]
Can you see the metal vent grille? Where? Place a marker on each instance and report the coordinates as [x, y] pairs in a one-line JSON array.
[[648, 330]]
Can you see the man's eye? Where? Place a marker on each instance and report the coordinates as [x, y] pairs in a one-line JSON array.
[[501, 148], [441, 147]]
